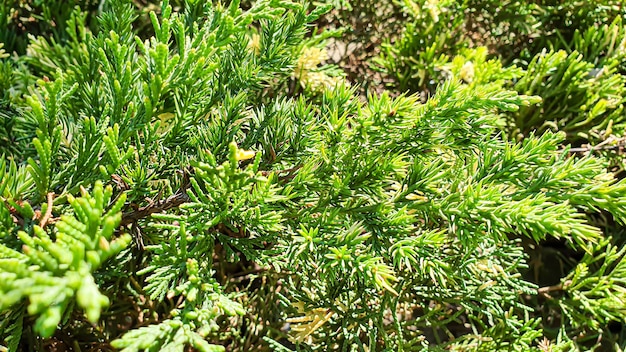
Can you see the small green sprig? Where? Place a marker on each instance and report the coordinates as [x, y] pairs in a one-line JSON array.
[[54, 268]]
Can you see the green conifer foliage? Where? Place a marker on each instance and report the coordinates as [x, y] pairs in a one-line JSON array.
[[52, 273], [193, 176]]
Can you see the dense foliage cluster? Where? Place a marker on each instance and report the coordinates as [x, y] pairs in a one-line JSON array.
[[192, 175]]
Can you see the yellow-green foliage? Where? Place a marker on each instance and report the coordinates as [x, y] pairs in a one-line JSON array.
[[195, 175]]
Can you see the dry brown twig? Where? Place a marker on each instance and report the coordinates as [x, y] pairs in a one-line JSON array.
[[545, 291], [44, 219], [158, 206], [611, 143]]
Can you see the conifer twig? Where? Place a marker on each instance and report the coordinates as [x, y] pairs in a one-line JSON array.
[[181, 197], [48, 214], [15, 214], [619, 144], [545, 291], [290, 173], [170, 202]]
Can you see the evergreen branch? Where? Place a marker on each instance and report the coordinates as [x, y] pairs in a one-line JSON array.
[[15, 214], [181, 197], [50, 274], [160, 206], [290, 173], [21, 210], [395, 222]]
